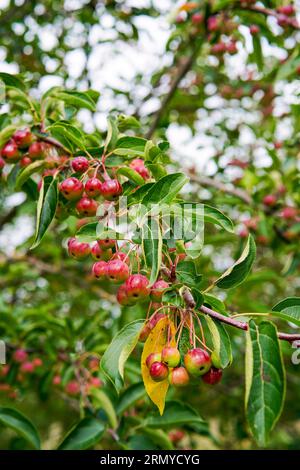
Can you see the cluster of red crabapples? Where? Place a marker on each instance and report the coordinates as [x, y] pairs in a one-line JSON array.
[[197, 363], [22, 148]]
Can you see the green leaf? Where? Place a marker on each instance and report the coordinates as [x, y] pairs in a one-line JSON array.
[[83, 435], [87, 233], [157, 170], [6, 134], [101, 400], [236, 274], [257, 52], [29, 170], [12, 81], [131, 143], [265, 379], [112, 133], [152, 247], [69, 136], [176, 413], [288, 309], [221, 342], [18, 422], [75, 98], [130, 396], [186, 273], [131, 174], [165, 190], [215, 216], [117, 353], [46, 208], [127, 122]]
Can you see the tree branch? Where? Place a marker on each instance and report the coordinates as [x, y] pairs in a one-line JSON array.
[[244, 325], [210, 182], [181, 73]]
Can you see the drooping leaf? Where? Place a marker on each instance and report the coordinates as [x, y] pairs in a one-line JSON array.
[[215, 216], [101, 400], [265, 379], [27, 172], [129, 397], [83, 435], [78, 99], [117, 353], [15, 420], [165, 190], [221, 342], [131, 174], [288, 309], [152, 247], [176, 413], [46, 208], [112, 133], [235, 275], [155, 342]]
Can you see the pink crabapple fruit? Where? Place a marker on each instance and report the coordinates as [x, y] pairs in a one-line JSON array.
[[71, 188], [80, 164], [87, 207], [170, 356], [179, 377], [213, 376], [197, 362], [158, 371], [153, 357]]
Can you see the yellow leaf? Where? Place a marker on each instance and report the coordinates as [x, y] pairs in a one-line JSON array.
[[189, 6], [155, 342]]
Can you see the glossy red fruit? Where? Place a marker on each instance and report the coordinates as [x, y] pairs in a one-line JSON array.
[[117, 271], [170, 356], [158, 371], [93, 187], [99, 254], [197, 362], [2, 163], [254, 29], [122, 296], [106, 243], [23, 138], [153, 357], [270, 200], [158, 289], [111, 189], [179, 377], [213, 376], [87, 207], [80, 164], [139, 166], [36, 150], [197, 18], [77, 249], [20, 355], [99, 270], [27, 367], [25, 161], [72, 388], [137, 287], [10, 152], [71, 188]]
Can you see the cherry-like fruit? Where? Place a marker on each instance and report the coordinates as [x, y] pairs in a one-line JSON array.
[[197, 362]]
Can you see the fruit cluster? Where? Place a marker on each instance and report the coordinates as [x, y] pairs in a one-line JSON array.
[[197, 363], [22, 147]]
